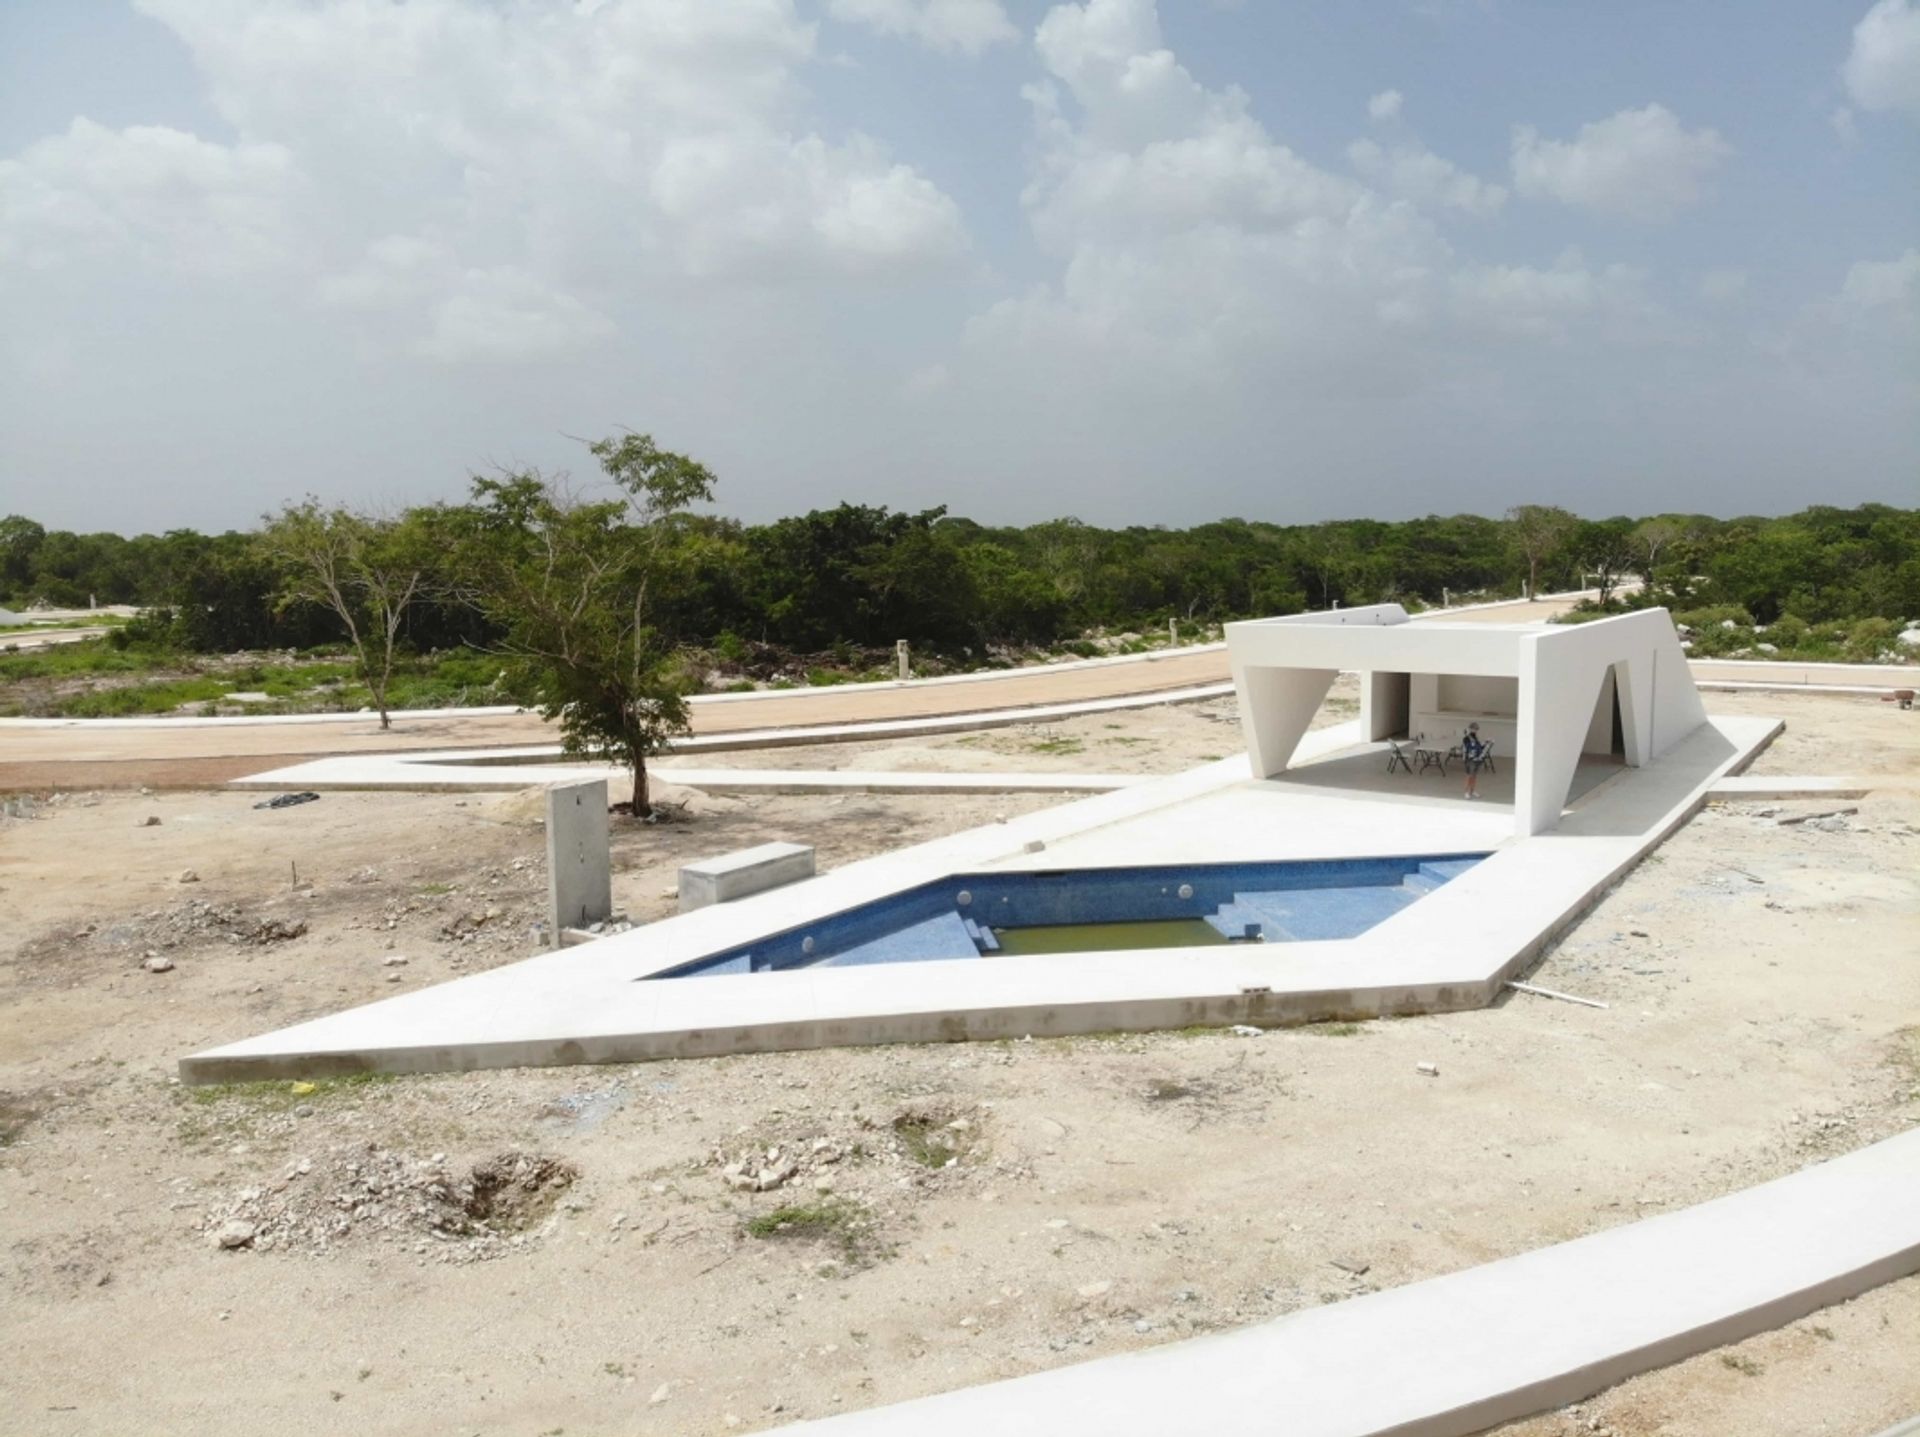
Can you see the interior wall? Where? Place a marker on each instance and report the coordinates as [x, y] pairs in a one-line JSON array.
[[1384, 705], [1479, 694]]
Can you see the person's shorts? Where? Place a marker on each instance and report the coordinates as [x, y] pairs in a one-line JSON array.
[[1474, 765]]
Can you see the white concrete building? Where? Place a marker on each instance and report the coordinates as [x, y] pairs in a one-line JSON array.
[[1543, 694]]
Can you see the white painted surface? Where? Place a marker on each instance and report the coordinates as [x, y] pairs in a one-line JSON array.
[[1457, 1354], [740, 874]]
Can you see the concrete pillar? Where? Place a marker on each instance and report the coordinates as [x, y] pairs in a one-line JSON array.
[[1276, 708], [579, 860], [900, 654]]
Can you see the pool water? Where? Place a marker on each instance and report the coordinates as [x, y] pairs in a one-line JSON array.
[[1026, 914], [1107, 937]]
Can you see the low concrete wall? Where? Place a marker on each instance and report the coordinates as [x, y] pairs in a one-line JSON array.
[[737, 875]]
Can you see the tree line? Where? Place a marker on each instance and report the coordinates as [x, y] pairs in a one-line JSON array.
[[602, 596]]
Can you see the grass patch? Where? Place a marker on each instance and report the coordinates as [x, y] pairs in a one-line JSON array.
[[1746, 1366], [831, 1222], [1166, 1090], [1333, 1030], [928, 1140], [14, 1117], [1057, 745], [277, 1095]]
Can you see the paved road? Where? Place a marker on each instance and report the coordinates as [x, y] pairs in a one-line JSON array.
[[44, 638], [195, 753]]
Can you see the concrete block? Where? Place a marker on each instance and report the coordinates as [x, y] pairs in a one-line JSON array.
[[736, 875], [579, 863]]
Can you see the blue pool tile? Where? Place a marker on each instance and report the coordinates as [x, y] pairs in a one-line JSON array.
[[955, 917]]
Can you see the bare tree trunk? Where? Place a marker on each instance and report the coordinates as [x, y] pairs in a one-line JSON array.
[[642, 803]]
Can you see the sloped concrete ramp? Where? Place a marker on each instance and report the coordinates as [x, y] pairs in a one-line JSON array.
[[1457, 1354]]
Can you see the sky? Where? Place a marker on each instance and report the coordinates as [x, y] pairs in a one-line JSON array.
[[1126, 261]]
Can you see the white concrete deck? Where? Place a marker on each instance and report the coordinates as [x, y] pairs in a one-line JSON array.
[[1457, 1354], [379, 771], [1451, 950], [1750, 787]]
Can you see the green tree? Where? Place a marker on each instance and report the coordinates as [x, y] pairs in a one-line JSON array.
[[1539, 532], [20, 541], [1604, 548], [583, 594], [367, 571]]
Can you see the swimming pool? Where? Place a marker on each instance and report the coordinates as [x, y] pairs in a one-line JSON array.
[[1030, 914]]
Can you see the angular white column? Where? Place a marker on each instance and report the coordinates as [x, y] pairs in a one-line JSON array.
[[1276, 708]]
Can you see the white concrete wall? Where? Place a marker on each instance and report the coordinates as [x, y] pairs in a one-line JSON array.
[[1600, 731], [1479, 694], [1557, 681], [1385, 703], [1562, 672]]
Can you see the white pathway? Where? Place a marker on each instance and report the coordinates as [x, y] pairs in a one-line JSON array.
[[1457, 1354], [470, 770]]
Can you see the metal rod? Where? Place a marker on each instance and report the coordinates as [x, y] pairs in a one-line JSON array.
[[1550, 993]]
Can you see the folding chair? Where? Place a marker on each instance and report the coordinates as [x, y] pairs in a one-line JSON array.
[[1397, 756]]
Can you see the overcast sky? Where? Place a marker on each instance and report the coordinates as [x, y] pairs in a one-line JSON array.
[[1288, 261]]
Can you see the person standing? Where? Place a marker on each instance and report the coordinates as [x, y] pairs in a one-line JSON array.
[[1474, 750]]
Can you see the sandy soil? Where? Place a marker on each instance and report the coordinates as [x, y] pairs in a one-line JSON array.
[[631, 1286]]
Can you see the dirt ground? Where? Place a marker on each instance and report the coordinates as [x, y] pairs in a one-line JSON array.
[[587, 1250]]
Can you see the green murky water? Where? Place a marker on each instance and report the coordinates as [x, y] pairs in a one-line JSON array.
[[1105, 937]]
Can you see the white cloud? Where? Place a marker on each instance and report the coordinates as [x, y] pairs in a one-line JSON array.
[[494, 174], [168, 196], [1892, 284], [1641, 164], [1545, 303], [1882, 71], [1385, 105], [1415, 173], [1199, 252], [966, 26], [505, 314]]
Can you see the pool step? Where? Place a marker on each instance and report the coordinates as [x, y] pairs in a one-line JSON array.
[[982, 936], [1441, 869], [1230, 921], [1420, 884], [1310, 914], [943, 936]]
